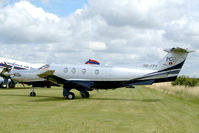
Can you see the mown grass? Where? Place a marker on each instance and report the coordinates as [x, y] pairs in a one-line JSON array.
[[124, 110]]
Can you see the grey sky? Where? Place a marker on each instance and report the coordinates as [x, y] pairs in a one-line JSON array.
[[114, 32]]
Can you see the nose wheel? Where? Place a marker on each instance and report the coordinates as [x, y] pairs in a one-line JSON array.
[[32, 93]]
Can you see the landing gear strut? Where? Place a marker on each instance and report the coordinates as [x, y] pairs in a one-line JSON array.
[[67, 94], [32, 93]]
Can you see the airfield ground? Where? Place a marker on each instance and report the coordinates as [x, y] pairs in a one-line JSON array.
[[124, 110]]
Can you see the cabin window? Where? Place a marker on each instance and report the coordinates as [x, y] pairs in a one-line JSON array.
[[84, 71], [96, 71], [65, 70], [73, 70]]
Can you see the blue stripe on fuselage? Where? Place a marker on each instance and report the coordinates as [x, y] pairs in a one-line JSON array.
[[9, 66]]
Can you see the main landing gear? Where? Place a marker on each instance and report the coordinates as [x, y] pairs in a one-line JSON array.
[[84, 94], [70, 95]]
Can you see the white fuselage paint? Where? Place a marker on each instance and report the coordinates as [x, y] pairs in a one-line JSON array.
[[26, 76], [97, 73], [85, 73]]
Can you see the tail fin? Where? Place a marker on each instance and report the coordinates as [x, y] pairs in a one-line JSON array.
[[174, 60], [167, 69]]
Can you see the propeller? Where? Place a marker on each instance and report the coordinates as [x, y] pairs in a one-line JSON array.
[[5, 73], [5, 69]]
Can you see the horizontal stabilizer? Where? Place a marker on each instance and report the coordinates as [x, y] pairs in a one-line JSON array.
[[178, 50]]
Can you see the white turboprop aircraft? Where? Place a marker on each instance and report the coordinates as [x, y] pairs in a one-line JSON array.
[[85, 78], [16, 65]]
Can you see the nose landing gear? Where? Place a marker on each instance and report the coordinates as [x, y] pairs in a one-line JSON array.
[[32, 93]]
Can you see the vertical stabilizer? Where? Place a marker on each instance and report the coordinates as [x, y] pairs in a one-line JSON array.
[[174, 60], [167, 69]]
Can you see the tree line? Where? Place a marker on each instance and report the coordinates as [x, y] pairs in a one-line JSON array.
[[186, 81]]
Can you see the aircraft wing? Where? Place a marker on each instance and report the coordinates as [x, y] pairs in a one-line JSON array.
[[46, 74], [50, 76]]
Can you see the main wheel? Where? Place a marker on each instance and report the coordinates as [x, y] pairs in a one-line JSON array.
[[32, 94], [11, 85], [70, 96], [3, 86], [85, 94]]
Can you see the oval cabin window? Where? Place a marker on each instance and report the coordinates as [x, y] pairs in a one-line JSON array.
[[65, 70], [73, 70], [83, 71], [96, 71]]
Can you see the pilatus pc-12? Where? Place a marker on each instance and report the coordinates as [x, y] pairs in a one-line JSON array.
[[85, 77]]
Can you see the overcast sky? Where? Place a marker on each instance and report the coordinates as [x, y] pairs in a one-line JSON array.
[[114, 32]]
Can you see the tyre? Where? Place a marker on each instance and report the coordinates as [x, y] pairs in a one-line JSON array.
[[3, 86], [11, 85], [32, 94], [85, 94], [70, 96]]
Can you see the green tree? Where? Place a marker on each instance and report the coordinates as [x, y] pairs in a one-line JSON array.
[[185, 81]]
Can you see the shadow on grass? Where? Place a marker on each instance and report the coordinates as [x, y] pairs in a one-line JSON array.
[[18, 88], [48, 98], [52, 98], [35, 99], [125, 99]]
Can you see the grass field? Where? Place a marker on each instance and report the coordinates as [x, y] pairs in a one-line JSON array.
[[124, 110]]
